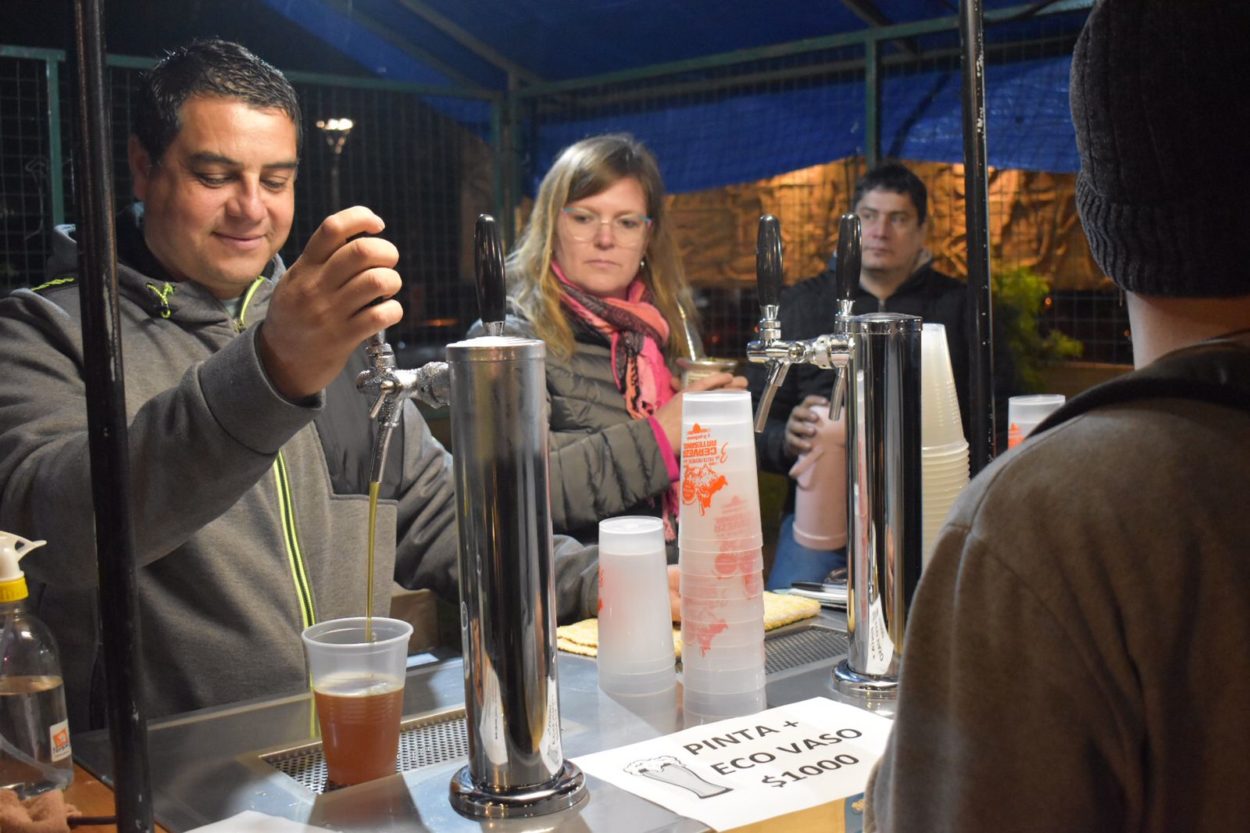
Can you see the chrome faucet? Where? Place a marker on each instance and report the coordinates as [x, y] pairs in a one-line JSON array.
[[388, 386], [496, 389], [876, 359], [830, 351]]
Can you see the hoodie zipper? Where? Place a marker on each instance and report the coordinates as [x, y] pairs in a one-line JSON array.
[[286, 504]]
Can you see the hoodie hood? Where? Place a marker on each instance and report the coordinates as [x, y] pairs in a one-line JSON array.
[[145, 282]]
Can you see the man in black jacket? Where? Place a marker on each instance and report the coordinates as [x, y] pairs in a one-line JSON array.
[[896, 275]]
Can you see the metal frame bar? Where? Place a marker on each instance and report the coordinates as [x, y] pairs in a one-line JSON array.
[[976, 201], [923, 27], [469, 42], [868, 12], [302, 77], [390, 36], [806, 71], [56, 160], [32, 52], [107, 430], [872, 103]]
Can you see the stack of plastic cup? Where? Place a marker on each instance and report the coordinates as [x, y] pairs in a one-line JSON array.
[[943, 447], [722, 561], [1024, 413], [635, 622]]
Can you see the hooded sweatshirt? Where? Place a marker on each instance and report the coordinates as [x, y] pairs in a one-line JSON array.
[[249, 511]]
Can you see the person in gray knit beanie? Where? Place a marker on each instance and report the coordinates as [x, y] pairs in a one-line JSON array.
[[1072, 660], [1161, 117]]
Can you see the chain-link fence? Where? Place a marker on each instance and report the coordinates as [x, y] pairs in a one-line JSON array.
[[784, 130]]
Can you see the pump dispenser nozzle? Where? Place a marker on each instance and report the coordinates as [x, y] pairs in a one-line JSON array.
[[13, 548]]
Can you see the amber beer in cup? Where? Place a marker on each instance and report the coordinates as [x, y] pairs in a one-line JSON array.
[[358, 686]]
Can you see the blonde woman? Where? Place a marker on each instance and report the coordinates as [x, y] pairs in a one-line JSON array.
[[596, 275]]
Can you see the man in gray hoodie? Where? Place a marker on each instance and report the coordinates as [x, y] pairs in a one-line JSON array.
[[250, 447]]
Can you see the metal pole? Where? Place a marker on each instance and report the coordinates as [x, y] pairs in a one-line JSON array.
[[336, 197], [56, 176], [107, 428], [872, 104], [981, 357], [498, 184]]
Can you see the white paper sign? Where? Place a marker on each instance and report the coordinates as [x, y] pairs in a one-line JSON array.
[[747, 769]]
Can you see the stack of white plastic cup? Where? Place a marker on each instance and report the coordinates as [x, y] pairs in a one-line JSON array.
[[820, 480], [722, 562], [1024, 413], [635, 623], [943, 447]]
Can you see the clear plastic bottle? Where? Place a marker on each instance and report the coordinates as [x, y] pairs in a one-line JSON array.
[[35, 753]]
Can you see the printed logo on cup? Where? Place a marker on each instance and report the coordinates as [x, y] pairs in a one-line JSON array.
[[700, 453]]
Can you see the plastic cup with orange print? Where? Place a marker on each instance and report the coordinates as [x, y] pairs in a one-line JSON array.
[[357, 673], [720, 499]]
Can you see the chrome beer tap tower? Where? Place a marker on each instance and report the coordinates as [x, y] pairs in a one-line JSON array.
[[496, 389], [876, 359]]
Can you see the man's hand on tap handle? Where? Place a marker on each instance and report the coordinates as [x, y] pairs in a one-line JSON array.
[[669, 414], [336, 294], [801, 426]]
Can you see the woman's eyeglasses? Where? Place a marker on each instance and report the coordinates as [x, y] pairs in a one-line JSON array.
[[627, 229]]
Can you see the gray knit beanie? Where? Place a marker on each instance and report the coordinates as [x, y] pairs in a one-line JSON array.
[[1162, 116]]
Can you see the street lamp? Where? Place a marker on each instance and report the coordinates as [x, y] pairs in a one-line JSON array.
[[336, 132]]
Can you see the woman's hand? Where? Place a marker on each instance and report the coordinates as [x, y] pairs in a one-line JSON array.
[[669, 415], [674, 591], [801, 426]]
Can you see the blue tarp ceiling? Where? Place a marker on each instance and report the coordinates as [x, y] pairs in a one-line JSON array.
[[740, 138]]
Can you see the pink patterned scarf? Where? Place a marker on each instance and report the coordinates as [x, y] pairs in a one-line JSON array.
[[637, 332]]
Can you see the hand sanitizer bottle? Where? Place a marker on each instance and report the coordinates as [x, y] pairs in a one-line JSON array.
[[35, 754]]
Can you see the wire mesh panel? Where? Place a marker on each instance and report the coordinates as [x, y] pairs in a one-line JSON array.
[[26, 212], [800, 647], [423, 741], [785, 131], [423, 163], [425, 167]]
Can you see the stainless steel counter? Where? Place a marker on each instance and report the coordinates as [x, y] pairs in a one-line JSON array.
[[211, 764]]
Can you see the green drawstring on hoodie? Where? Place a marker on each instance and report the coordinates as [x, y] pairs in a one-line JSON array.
[[164, 295]]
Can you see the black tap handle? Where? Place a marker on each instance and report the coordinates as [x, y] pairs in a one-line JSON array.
[[488, 267], [850, 257], [768, 266]]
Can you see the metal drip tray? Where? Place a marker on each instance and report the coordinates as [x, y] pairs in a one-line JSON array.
[[802, 645], [427, 740]]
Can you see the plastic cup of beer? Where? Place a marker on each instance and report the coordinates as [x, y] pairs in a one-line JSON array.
[[692, 370], [357, 672]]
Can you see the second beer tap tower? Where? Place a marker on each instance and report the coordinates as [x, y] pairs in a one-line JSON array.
[[496, 388], [876, 358]]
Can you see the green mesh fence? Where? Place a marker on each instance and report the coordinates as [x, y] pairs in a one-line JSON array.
[[429, 164]]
